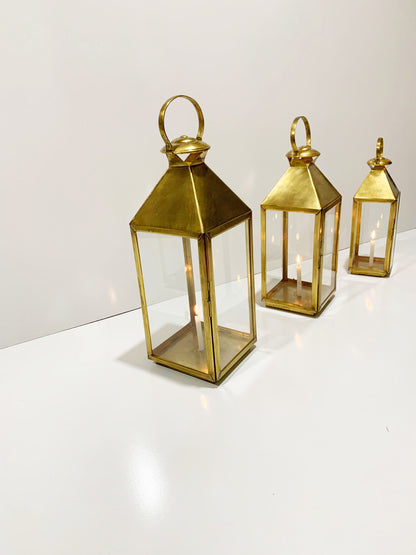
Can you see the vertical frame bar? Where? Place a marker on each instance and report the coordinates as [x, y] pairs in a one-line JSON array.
[[263, 253], [140, 279], [209, 305], [336, 241], [285, 243], [317, 255], [390, 237], [250, 276]]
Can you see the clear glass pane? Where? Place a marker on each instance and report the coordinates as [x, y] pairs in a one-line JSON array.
[[328, 273], [274, 240], [230, 256], [173, 293], [300, 246], [289, 256], [373, 233]]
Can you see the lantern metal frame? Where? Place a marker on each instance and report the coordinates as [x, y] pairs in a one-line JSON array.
[[192, 202], [378, 187], [304, 189]]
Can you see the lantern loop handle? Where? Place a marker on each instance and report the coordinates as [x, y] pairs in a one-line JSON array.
[[379, 161], [293, 132], [162, 119], [379, 148]]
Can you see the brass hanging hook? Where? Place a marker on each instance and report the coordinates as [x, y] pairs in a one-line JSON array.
[[293, 132], [379, 148], [162, 119]]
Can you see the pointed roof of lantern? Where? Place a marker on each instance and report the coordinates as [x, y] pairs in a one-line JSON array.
[[378, 185], [303, 187], [190, 199]]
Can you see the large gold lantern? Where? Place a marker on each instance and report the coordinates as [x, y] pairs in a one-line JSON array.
[[299, 234], [193, 246], [374, 220]]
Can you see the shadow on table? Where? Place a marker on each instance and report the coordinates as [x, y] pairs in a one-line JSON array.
[[137, 357]]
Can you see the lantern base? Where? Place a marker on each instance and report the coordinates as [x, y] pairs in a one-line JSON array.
[[285, 296], [180, 352], [361, 265]]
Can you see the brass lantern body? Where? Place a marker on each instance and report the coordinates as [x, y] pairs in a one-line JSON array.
[[303, 206], [202, 331], [374, 220]]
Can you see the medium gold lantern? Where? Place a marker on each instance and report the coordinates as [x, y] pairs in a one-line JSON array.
[[193, 247], [299, 234], [374, 220]]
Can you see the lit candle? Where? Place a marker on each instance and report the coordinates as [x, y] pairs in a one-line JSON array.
[[372, 245], [198, 327], [298, 276]]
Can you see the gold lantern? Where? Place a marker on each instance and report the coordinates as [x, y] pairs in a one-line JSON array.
[[193, 247], [299, 234], [374, 220]]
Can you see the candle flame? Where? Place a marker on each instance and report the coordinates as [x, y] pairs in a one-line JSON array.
[[378, 224], [272, 238], [275, 216], [373, 235], [298, 259], [238, 277], [196, 311], [381, 216], [297, 236]]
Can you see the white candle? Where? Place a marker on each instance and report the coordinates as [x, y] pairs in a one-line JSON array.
[[298, 276], [372, 245], [198, 327]]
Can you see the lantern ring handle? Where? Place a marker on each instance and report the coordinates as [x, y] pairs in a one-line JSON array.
[[379, 148], [162, 118], [293, 132]]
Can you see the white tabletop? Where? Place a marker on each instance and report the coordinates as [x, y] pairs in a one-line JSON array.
[[308, 447]]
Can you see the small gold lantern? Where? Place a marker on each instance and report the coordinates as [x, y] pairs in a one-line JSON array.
[[299, 234], [195, 264], [374, 220]]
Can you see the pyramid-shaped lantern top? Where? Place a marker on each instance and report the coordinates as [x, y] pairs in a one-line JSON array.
[[190, 199], [378, 186], [303, 187]]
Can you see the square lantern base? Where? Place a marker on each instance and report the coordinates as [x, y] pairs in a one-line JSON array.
[[180, 352], [361, 265], [285, 297]]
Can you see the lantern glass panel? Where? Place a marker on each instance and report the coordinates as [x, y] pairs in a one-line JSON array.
[[329, 261], [289, 246], [274, 241], [231, 258], [173, 293], [373, 233]]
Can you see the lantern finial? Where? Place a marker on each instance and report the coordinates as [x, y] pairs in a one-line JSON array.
[[304, 154], [183, 144], [379, 161]]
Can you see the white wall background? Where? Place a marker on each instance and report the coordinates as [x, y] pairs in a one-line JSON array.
[[81, 86]]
